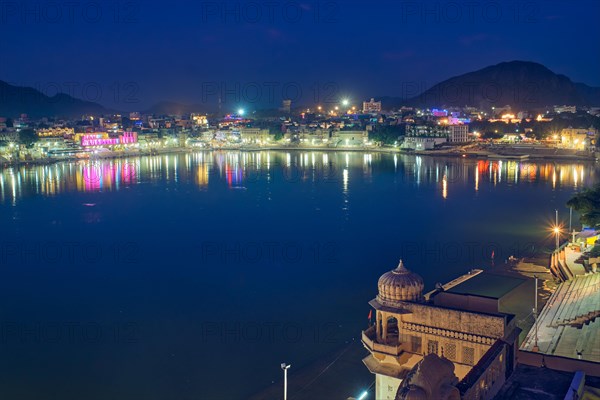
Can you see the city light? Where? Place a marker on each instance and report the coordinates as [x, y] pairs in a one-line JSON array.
[[250, 213]]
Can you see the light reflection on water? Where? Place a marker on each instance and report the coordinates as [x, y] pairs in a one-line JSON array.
[[350, 215], [236, 169]]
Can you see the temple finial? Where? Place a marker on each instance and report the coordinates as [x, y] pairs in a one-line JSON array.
[[400, 266]]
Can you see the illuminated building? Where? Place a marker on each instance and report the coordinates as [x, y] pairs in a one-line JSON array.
[[371, 107], [57, 131], [102, 139], [350, 138], [578, 139], [439, 113], [425, 137], [458, 133], [199, 120], [254, 135], [563, 109], [463, 323], [507, 118], [286, 106]]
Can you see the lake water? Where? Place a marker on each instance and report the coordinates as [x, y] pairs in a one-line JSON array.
[[193, 276]]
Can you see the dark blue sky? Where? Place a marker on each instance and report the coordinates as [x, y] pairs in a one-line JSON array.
[[131, 54]]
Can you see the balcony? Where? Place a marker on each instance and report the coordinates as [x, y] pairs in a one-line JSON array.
[[391, 347]]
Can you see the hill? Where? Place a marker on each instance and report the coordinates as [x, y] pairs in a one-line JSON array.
[[17, 100], [521, 84]]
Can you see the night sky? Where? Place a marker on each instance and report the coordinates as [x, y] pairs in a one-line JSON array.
[[132, 54]]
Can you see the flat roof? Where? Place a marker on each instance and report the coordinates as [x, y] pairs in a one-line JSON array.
[[487, 284]]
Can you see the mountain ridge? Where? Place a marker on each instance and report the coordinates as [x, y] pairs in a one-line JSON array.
[[524, 85], [17, 100]]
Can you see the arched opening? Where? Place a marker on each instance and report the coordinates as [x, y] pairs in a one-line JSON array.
[[391, 331]]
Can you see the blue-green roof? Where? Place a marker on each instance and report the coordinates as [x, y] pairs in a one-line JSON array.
[[488, 285]]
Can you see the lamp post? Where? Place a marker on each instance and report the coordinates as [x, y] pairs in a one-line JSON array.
[[556, 230], [285, 367], [535, 315], [571, 230]]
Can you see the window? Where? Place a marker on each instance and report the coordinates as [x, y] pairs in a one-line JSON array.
[[415, 344], [432, 346], [450, 351], [468, 356]]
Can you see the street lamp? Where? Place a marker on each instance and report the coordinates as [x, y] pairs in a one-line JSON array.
[[285, 367], [363, 395], [557, 233], [241, 112], [345, 102]]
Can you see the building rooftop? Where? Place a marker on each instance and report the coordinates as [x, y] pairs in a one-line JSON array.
[[533, 383], [486, 284]]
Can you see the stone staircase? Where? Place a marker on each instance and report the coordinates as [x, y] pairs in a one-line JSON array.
[[580, 301]]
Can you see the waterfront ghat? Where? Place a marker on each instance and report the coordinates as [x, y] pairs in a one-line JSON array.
[[566, 335], [568, 329], [482, 151], [507, 288]]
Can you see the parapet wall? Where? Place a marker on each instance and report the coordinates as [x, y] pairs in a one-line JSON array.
[[461, 321]]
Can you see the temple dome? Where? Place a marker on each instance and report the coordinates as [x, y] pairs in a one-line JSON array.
[[400, 285]]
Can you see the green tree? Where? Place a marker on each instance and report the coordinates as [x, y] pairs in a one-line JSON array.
[[587, 204], [387, 134], [27, 137]]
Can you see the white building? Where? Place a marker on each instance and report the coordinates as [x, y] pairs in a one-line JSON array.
[[425, 137], [422, 142], [350, 138], [254, 135], [458, 133], [562, 109]]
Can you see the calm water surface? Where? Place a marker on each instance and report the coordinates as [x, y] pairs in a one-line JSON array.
[[170, 277]]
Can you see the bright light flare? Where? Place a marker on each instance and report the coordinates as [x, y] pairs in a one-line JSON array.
[[363, 395]]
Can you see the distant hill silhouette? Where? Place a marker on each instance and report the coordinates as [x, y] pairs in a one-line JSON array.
[[520, 84], [17, 100]]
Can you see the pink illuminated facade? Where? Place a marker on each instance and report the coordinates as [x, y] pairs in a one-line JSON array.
[[102, 139]]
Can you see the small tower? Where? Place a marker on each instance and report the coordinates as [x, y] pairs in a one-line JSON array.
[[391, 358]]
